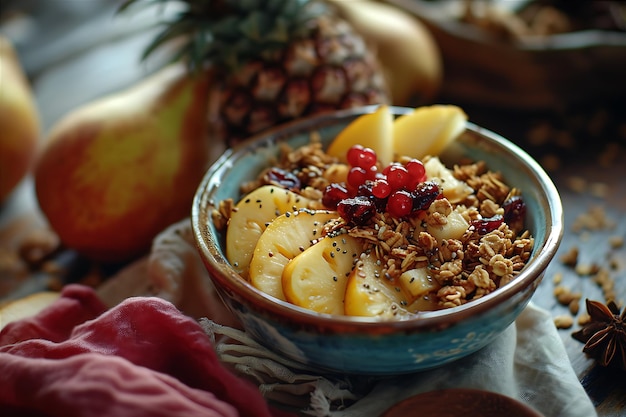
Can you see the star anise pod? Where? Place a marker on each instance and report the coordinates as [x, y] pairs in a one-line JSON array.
[[605, 334]]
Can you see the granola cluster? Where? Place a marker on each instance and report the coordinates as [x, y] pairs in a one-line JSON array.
[[464, 269]]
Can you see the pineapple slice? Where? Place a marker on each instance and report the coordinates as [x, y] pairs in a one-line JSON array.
[[370, 294], [252, 215], [284, 238], [418, 282], [316, 279], [373, 130], [454, 228], [453, 189], [427, 130]]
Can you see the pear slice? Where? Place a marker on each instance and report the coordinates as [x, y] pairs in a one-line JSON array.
[[373, 130], [454, 228], [452, 189], [418, 282], [370, 294], [427, 130], [419, 285], [251, 216], [284, 238], [316, 279]]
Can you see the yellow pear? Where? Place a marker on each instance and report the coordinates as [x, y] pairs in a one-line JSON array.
[[283, 239], [428, 130], [115, 172], [19, 121], [251, 216], [370, 294], [406, 49], [372, 130], [316, 278]]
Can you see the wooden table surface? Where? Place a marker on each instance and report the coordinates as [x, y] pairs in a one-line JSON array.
[[590, 179], [583, 151]]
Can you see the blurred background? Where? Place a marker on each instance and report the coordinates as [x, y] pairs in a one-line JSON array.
[[79, 48], [554, 61]]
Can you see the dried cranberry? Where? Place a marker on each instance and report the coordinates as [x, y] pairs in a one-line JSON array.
[[356, 210], [484, 226], [333, 194], [514, 213], [283, 178], [424, 195]]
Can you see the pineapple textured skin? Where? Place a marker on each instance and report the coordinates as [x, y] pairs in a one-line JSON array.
[[330, 69], [275, 61]]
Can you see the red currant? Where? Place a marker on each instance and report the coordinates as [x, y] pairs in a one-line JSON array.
[[400, 204], [381, 188], [416, 170], [372, 173], [388, 168], [398, 177], [358, 156], [352, 156], [357, 176]]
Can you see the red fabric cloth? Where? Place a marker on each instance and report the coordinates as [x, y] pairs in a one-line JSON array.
[[140, 358]]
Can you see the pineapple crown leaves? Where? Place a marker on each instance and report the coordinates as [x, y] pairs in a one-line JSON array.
[[228, 33]]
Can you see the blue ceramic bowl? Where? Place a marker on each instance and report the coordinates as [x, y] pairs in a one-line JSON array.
[[363, 345]]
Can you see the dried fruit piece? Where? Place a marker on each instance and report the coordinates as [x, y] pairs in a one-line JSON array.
[[357, 210]]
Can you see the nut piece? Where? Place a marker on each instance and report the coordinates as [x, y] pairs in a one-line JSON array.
[[563, 321]]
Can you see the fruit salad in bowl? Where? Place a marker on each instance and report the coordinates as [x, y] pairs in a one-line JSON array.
[[381, 240]]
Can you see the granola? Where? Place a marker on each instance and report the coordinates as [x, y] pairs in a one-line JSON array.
[[482, 259]]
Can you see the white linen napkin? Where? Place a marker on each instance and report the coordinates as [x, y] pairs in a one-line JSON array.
[[527, 362]]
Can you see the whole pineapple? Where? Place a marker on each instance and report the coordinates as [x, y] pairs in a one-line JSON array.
[[276, 60]]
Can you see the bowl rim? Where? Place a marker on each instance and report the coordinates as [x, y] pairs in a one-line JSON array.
[[220, 270]]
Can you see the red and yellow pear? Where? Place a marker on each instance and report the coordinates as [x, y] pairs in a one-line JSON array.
[[19, 121], [115, 172]]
